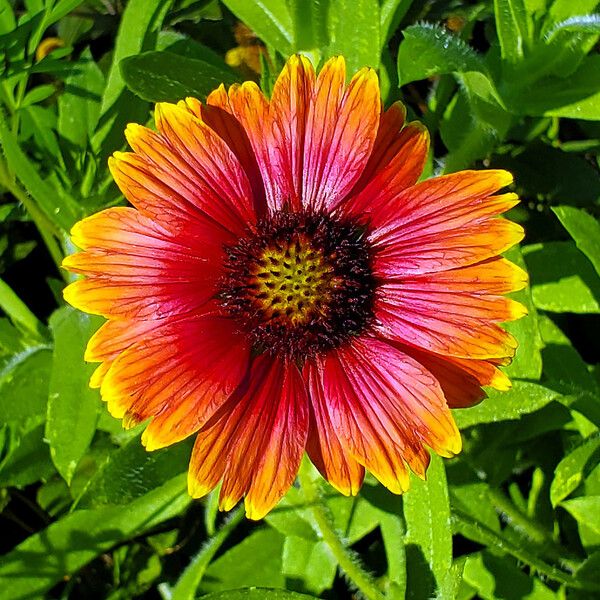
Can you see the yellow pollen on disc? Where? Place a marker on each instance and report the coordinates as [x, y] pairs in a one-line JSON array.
[[292, 281]]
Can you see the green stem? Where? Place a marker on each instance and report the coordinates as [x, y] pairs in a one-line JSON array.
[[531, 529], [187, 584], [324, 527]]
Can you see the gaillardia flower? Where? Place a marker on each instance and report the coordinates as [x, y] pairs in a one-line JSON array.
[[283, 284]]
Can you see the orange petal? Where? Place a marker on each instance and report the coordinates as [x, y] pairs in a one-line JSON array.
[[449, 323], [386, 176], [323, 446], [180, 374], [216, 113], [136, 270], [399, 255], [288, 111], [385, 406], [195, 164], [461, 379], [110, 340], [341, 129], [493, 276], [256, 441]]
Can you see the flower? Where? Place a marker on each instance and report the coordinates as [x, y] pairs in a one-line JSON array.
[[283, 284]]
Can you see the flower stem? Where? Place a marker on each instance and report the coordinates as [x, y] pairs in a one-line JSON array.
[[325, 528]]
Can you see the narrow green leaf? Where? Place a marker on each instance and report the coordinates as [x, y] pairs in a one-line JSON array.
[[310, 23], [472, 529], [427, 514], [57, 210], [19, 313], [27, 460], [574, 468], [162, 76], [584, 229], [523, 398], [257, 594], [59, 551], [79, 104], [354, 32], [511, 25], [72, 405], [391, 13], [576, 96], [269, 19], [138, 31]]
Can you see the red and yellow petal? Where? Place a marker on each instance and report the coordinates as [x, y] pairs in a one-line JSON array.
[[135, 269], [216, 113], [392, 177], [288, 111], [342, 471], [178, 374], [341, 129], [461, 379], [385, 408], [255, 442], [113, 338], [455, 324], [444, 223]]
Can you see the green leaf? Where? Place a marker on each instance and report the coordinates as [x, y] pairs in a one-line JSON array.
[[500, 577], [354, 33], [576, 96], [72, 404], [391, 13], [162, 76], [59, 551], [28, 459], [578, 24], [256, 561], [131, 472], [527, 363], [269, 19], [79, 104], [431, 50], [19, 313], [24, 381], [59, 211], [523, 398], [309, 561], [310, 24], [138, 31], [428, 532], [574, 468], [563, 280], [256, 594], [584, 229], [585, 510], [511, 25]]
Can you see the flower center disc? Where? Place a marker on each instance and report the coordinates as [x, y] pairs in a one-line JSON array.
[[300, 283], [292, 281]]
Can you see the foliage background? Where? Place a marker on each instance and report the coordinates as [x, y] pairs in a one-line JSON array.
[[87, 513]]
